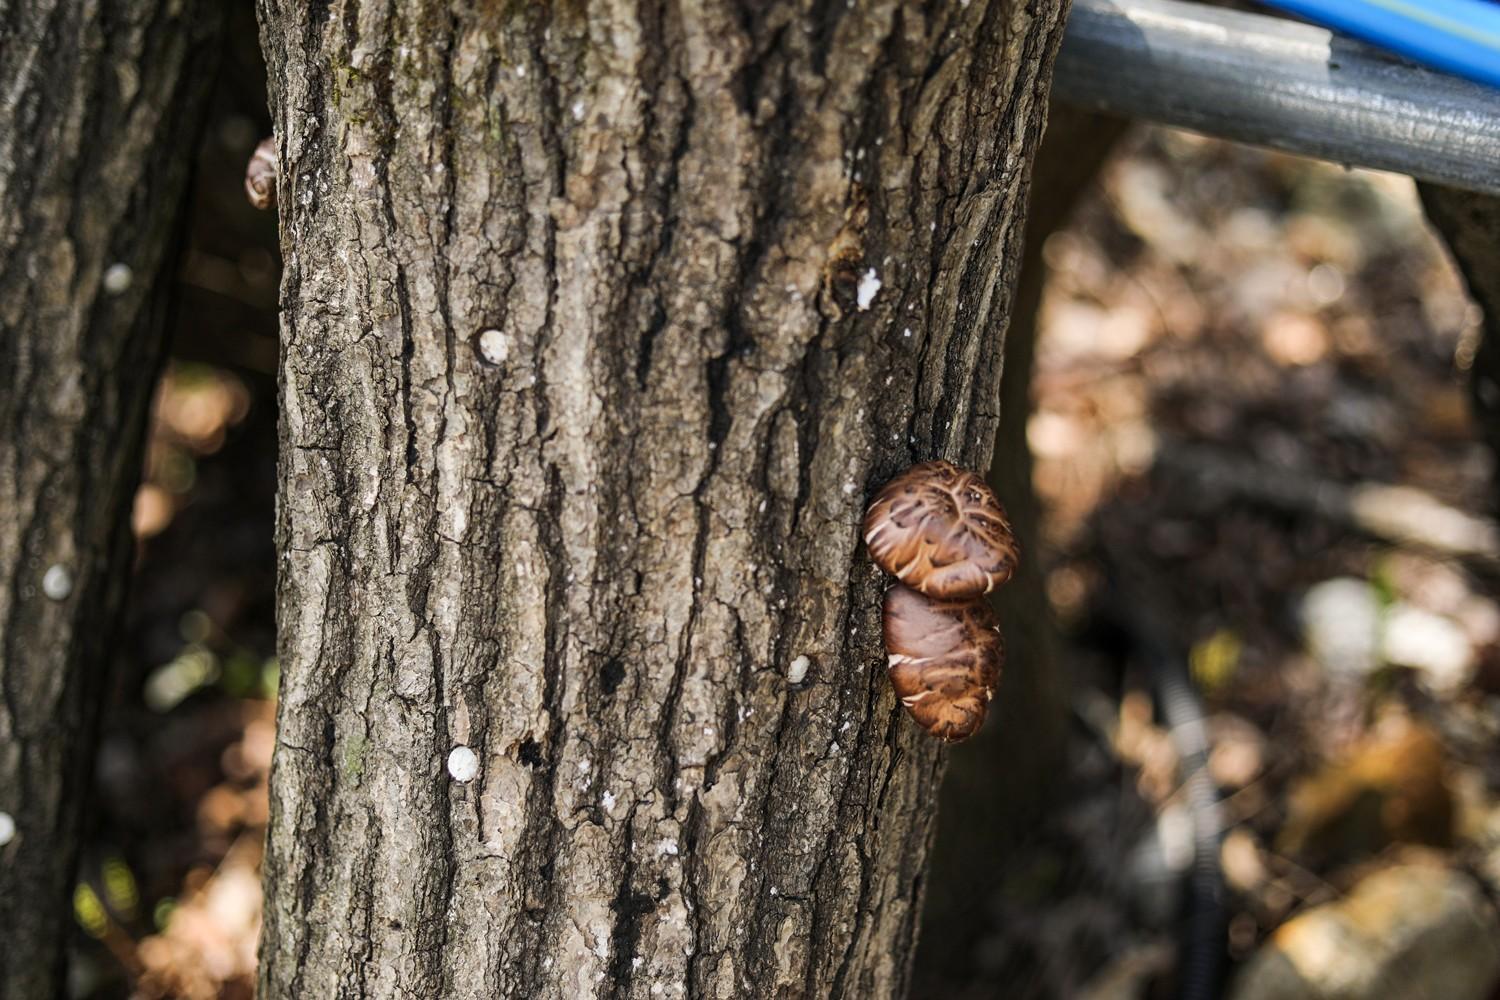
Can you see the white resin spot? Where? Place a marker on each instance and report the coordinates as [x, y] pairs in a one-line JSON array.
[[494, 347], [796, 671], [463, 764], [57, 582], [118, 279], [7, 829], [869, 285]]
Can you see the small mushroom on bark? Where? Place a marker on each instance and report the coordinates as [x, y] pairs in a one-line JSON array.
[[260, 174], [941, 530], [944, 660]]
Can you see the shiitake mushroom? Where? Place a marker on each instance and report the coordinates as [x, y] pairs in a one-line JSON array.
[[944, 660], [941, 531]]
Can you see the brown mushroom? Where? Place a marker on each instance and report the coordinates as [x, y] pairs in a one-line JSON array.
[[941, 530], [260, 174], [944, 660]]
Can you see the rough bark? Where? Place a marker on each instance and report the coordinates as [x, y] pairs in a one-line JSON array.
[[1000, 784], [604, 560], [97, 129], [1469, 223]]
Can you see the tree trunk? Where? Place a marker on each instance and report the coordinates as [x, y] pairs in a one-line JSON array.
[[601, 322], [1469, 223], [1001, 783], [97, 131]]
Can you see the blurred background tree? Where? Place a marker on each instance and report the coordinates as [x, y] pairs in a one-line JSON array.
[[1226, 340]]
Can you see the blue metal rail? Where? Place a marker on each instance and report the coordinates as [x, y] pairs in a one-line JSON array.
[[1457, 36], [1273, 82]]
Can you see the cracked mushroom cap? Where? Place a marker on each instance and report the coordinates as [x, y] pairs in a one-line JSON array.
[[941, 530], [944, 660]]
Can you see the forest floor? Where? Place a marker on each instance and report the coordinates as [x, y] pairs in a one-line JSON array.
[[1252, 437]]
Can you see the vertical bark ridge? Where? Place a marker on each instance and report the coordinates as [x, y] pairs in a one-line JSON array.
[[595, 555]]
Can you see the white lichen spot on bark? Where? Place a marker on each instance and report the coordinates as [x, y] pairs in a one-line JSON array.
[[118, 278], [494, 346], [57, 582], [463, 764], [869, 286]]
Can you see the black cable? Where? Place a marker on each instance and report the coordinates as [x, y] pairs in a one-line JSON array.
[[1204, 933], [1203, 937]]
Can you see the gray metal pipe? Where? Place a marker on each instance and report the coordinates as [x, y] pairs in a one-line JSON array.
[[1278, 83]]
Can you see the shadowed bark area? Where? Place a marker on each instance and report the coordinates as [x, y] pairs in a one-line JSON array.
[[97, 129], [601, 323], [1000, 783], [1469, 223]]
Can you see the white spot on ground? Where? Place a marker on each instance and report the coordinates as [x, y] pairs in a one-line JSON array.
[[869, 285], [494, 347], [57, 582], [607, 800], [118, 278], [796, 671], [667, 847], [463, 764], [578, 110], [7, 829]]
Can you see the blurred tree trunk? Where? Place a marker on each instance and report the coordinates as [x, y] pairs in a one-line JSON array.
[[1000, 783], [601, 322], [1470, 224], [97, 132]]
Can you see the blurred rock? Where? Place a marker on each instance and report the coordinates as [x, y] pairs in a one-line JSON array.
[[1392, 789], [1431, 644], [1239, 857], [1413, 932], [1129, 977], [1349, 632], [1294, 339], [1239, 751], [1341, 626]]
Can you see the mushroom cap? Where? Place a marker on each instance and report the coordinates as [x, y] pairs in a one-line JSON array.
[[260, 174], [944, 660], [941, 530]]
